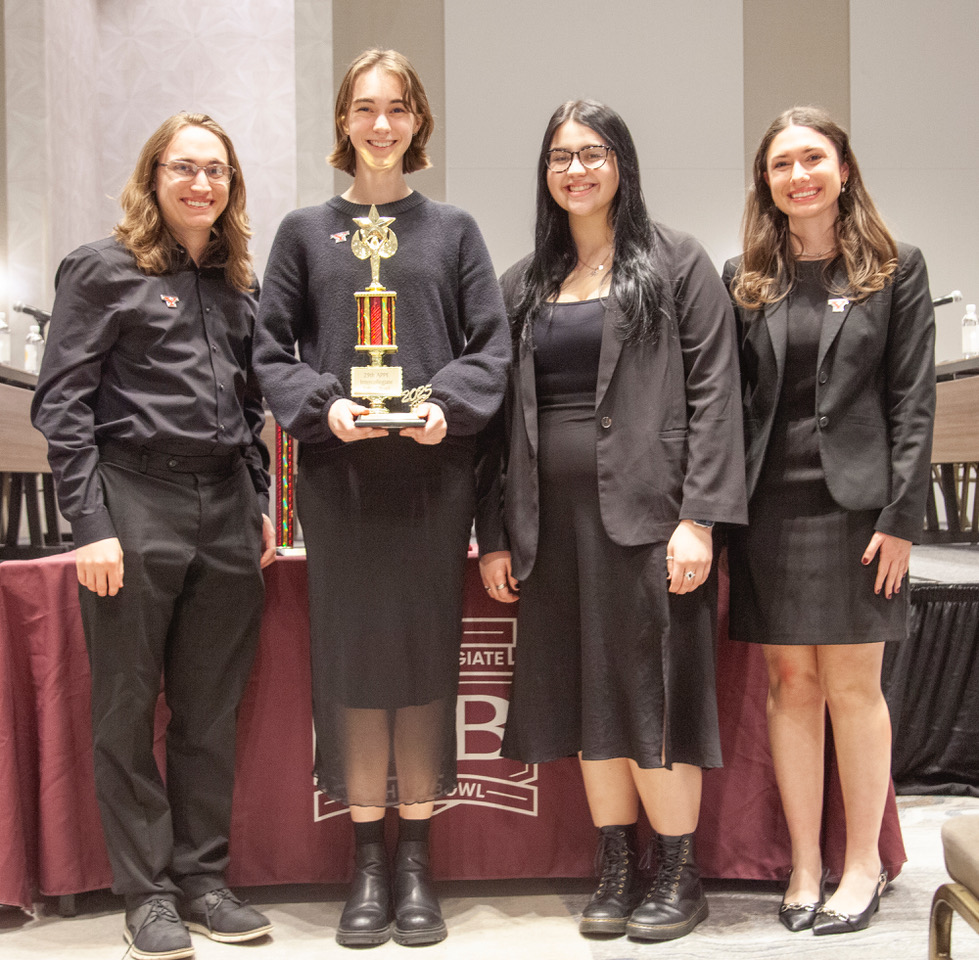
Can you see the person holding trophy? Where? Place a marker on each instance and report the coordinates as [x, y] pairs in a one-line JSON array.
[[386, 488]]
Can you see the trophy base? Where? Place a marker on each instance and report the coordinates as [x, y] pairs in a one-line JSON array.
[[389, 421]]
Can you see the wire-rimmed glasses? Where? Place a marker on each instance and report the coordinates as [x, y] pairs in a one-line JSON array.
[[186, 170]]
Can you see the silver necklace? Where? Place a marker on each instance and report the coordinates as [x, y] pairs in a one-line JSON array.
[[596, 270]]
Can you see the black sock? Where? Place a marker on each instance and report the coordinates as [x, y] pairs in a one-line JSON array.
[[371, 831], [413, 829]]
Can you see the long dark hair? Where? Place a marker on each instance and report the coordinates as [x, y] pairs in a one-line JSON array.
[[636, 287], [867, 249]]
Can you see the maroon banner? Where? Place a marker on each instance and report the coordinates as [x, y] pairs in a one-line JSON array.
[[505, 819]]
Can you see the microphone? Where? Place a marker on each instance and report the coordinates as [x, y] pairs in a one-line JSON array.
[[952, 297], [42, 316]]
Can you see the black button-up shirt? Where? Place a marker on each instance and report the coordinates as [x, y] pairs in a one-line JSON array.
[[162, 362]]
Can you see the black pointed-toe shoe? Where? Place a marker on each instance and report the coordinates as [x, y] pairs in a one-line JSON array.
[[797, 916], [831, 921]]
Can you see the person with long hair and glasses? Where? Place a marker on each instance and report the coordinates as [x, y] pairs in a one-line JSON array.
[[153, 419], [386, 517], [836, 333], [621, 447]]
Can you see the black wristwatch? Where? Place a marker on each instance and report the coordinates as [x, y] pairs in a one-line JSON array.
[[703, 523]]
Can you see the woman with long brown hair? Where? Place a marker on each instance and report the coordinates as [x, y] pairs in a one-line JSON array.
[[836, 335]]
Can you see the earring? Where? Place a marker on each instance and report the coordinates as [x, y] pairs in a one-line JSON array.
[[843, 187]]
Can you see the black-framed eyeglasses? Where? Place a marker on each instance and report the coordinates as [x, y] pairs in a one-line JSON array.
[[591, 158], [186, 170]]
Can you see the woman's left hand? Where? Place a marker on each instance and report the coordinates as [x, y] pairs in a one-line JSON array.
[[435, 426], [893, 557], [497, 575], [688, 556]]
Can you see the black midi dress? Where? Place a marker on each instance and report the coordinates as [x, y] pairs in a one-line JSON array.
[[608, 663]]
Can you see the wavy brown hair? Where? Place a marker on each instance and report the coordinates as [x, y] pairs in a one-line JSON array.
[[343, 156], [768, 266], [144, 233]]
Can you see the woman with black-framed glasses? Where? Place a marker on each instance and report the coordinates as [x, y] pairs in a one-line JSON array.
[[622, 447]]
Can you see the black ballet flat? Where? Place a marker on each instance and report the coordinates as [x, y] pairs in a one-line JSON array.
[[796, 916], [830, 921]]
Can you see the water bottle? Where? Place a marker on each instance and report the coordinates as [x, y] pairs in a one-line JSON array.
[[970, 332], [4, 339], [33, 348]]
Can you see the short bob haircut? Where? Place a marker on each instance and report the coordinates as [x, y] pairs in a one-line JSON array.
[[144, 232], [867, 249], [343, 155]]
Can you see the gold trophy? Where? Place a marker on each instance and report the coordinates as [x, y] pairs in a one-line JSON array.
[[377, 381]]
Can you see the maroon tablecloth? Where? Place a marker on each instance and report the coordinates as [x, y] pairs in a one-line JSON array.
[[505, 820]]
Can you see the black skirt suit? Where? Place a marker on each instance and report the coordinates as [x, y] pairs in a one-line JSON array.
[[828, 468]]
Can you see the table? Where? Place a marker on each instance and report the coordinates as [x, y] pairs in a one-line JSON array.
[[23, 458], [955, 457], [505, 820]]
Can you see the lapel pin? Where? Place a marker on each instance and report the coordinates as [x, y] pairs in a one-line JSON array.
[[839, 304], [171, 302], [340, 237]]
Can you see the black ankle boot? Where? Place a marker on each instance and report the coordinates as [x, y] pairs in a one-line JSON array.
[[619, 889], [675, 902], [417, 915], [366, 917]]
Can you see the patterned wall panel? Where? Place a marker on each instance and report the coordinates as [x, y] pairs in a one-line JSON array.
[[27, 158], [87, 81], [232, 59]]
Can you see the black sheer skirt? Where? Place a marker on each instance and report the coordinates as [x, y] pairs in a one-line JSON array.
[[386, 524]]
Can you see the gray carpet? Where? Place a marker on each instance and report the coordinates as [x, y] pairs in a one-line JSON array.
[[535, 920]]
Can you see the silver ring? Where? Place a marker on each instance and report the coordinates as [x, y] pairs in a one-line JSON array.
[[487, 588], [668, 557], [500, 586], [690, 574]]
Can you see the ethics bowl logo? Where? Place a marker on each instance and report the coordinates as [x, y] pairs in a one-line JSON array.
[[485, 778]]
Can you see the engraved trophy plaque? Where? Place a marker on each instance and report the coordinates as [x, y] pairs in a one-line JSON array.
[[378, 381]]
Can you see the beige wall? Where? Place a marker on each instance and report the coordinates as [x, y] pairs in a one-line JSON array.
[[915, 130], [795, 52], [416, 30], [85, 81], [665, 66]]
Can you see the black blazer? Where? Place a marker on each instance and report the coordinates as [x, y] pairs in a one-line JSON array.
[[875, 393], [667, 420]]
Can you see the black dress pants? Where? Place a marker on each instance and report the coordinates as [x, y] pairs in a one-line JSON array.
[[189, 611]]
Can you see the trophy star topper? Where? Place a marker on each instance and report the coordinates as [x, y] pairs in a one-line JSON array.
[[374, 239]]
